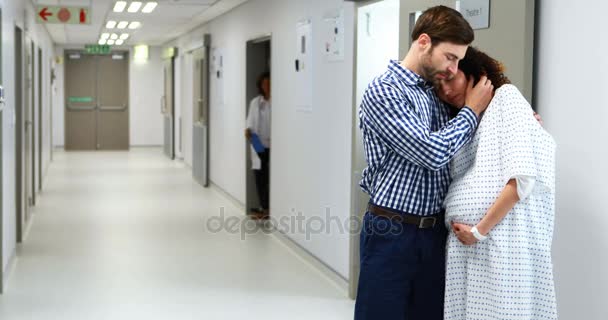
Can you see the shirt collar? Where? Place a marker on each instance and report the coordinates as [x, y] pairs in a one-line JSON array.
[[408, 76]]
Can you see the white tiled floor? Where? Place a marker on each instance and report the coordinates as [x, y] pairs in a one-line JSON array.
[[124, 236]]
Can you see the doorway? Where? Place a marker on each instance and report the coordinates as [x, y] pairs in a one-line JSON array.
[[97, 101], [258, 62], [40, 121], [22, 132], [168, 101], [377, 42], [200, 99]]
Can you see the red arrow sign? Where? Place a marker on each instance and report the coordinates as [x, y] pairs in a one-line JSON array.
[[43, 14]]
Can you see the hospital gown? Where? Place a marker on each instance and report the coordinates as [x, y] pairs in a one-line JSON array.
[[509, 275]]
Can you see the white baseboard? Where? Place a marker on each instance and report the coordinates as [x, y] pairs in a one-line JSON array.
[[10, 267]]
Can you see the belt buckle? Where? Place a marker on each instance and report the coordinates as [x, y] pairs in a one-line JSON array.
[[423, 225]]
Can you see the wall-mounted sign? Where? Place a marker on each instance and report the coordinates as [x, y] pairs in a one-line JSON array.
[[477, 12], [334, 36], [97, 49], [63, 14]]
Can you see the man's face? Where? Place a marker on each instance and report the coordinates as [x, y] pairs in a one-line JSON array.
[[440, 62]]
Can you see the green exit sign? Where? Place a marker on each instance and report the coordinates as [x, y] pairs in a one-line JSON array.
[[97, 49]]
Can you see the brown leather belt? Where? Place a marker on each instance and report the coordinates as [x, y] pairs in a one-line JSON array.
[[420, 222]]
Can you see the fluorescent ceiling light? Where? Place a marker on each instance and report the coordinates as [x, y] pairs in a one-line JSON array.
[[119, 42], [134, 25], [134, 7], [110, 42], [114, 36], [111, 24], [149, 7], [105, 35], [122, 24], [102, 41], [120, 6], [124, 36]]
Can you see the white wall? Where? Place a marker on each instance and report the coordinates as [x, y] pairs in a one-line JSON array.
[[19, 13], [571, 88], [319, 141], [145, 90]]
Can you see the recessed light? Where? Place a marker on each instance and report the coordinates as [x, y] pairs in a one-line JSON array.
[[134, 25], [134, 7], [124, 36], [119, 42], [120, 6], [102, 41], [149, 7], [105, 35], [111, 24], [110, 42], [114, 36], [122, 24]]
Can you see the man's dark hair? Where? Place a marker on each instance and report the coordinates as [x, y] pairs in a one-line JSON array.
[[261, 78], [444, 24]]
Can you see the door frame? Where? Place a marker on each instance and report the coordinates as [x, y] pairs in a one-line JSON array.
[[201, 108], [168, 56], [249, 176]]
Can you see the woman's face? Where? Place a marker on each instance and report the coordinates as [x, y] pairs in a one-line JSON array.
[[453, 90]]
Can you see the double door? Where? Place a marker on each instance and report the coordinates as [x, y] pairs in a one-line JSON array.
[[97, 101]]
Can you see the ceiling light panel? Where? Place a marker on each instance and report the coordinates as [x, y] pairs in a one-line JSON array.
[[149, 7], [111, 24], [134, 7], [122, 24], [134, 25], [120, 6]]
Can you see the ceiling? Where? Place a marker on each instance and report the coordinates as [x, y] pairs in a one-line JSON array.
[[170, 19]]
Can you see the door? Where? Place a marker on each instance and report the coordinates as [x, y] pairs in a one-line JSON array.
[[167, 108], [40, 117], [97, 101], [200, 149], [20, 190], [28, 116], [80, 102], [112, 102], [2, 105]]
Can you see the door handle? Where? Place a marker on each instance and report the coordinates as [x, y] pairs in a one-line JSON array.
[[113, 108]]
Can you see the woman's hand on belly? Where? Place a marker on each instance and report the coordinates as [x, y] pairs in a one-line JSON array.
[[463, 233]]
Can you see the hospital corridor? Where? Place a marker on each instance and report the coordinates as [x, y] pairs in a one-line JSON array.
[[303, 159]]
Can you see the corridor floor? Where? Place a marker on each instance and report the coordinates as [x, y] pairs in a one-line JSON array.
[[125, 235]]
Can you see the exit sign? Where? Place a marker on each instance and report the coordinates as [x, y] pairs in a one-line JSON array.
[[97, 49], [63, 14]]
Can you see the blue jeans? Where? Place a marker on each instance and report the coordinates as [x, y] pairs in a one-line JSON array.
[[402, 273]]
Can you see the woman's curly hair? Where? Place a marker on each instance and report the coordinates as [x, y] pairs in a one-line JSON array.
[[477, 64]]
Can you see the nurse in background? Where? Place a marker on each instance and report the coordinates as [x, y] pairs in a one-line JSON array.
[[500, 205], [258, 122]]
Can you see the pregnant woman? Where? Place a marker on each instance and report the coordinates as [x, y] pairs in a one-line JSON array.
[[500, 206]]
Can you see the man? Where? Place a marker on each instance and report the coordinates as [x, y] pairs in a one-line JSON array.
[[258, 123], [409, 140]]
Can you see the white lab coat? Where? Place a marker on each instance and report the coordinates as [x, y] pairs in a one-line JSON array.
[[258, 122]]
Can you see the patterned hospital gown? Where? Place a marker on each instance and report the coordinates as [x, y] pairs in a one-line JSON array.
[[509, 275]]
